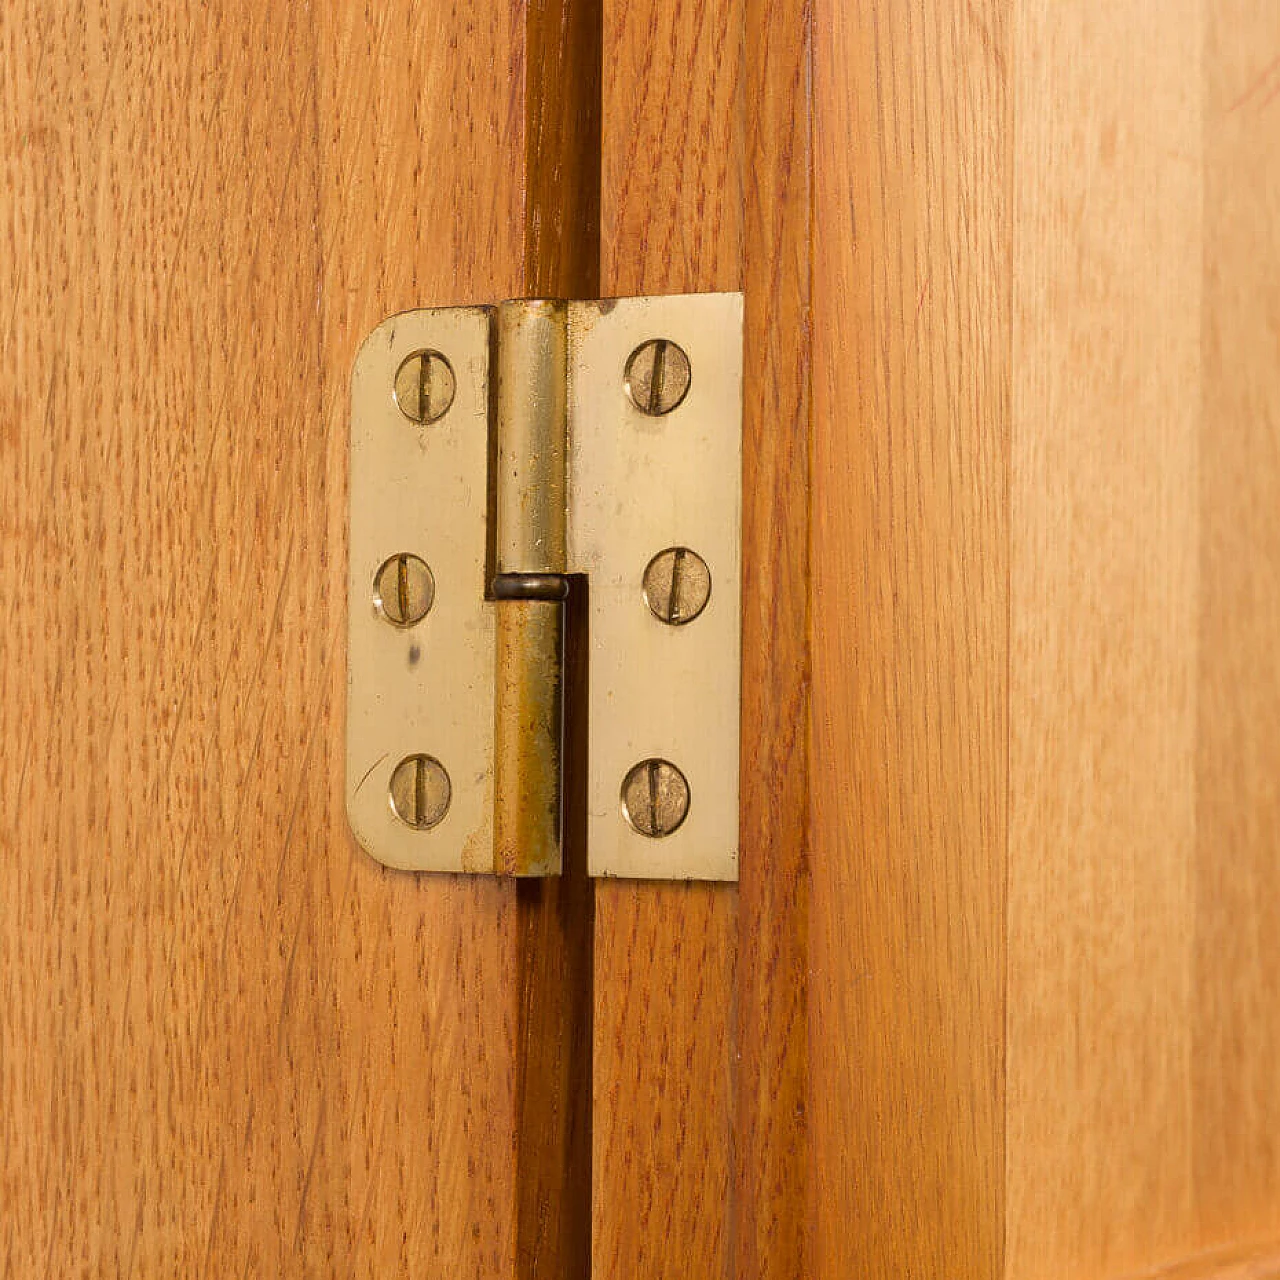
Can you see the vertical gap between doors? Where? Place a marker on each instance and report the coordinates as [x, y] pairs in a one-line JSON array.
[[564, 40]]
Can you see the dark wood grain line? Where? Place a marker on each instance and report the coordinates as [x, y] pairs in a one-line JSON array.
[[771, 1204]]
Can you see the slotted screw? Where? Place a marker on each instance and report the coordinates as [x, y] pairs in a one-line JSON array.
[[655, 797], [420, 791], [677, 585], [425, 386], [657, 376], [404, 589]]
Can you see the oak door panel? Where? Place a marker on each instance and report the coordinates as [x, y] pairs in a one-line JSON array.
[[231, 1043], [700, 1120]]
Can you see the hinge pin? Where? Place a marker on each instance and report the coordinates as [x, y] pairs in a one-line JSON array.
[[531, 586]]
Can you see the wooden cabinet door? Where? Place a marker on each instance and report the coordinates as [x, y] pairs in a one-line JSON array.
[[232, 1044], [998, 993], [1002, 998]]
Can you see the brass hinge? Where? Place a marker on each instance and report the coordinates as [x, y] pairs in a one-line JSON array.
[[496, 453]]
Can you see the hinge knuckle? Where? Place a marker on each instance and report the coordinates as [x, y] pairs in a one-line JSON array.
[[531, 354], [532, 420]]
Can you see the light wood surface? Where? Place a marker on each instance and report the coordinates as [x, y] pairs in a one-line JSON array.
[[1236, 1039], [1144, 974], [771, 1195], [1255, 1263], [1046, 314], [909, 607], [1104, 584]]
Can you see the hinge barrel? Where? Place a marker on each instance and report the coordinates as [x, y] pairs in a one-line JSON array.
[[528, 716], [532, 395], [531, 427]]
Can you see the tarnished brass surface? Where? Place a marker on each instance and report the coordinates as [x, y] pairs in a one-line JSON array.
[[420, 681], [527, 738], [532, 351], [601, 438], [651, 471], [532, 393]]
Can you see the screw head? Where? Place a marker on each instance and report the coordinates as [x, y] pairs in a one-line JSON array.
[[677, 585], [404, 589], [655, 798], [657, 376], [425, 386], [420, 792]]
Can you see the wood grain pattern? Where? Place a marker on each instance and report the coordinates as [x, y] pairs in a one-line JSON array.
[[1232, 1264], [701, 1154], [1103, 647], [771, 1193], [997, 992], [671, 213], [909, 580], [230, 1044], [563, 107], [1236, 958], [1143, 1012], [1045, 485]]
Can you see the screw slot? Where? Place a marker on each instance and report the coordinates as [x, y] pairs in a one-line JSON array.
[[420, 792], [677, 585], [425, 387], [655, 798], [657, 377], [404, 589]]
